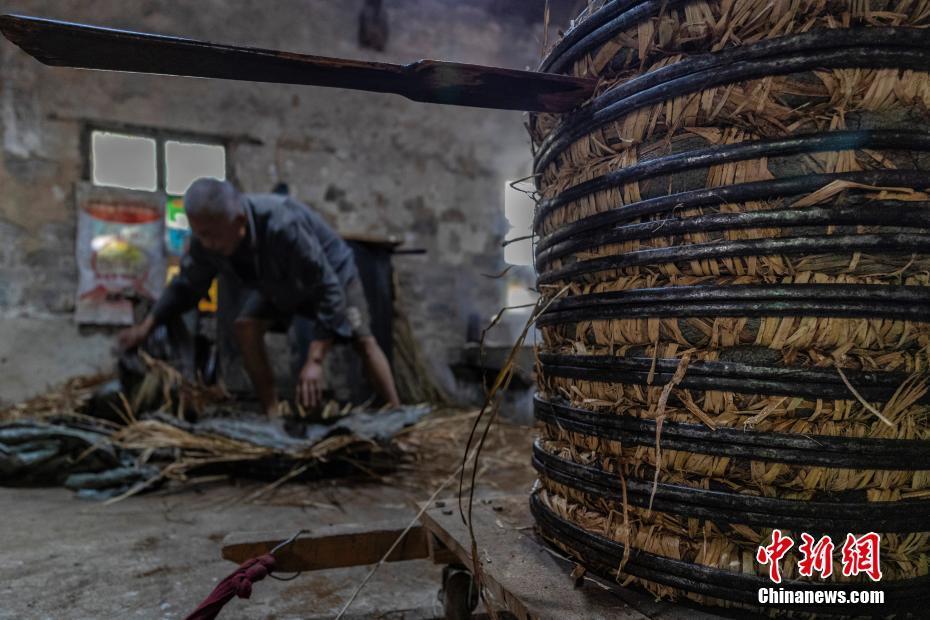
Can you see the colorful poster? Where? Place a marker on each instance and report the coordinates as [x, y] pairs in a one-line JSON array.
[[177, 229], [120, 256]]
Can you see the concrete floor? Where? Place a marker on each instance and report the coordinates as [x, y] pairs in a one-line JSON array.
[[158, 556]]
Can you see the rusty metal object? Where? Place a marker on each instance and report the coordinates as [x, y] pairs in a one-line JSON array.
[[66, 44]]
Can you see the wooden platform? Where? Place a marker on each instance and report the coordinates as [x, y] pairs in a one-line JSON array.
[[521, 576]]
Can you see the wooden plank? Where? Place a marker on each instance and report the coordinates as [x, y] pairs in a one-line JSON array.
[[438, 552], [58, 43], [330, 547], [519, 575], [523, 577]]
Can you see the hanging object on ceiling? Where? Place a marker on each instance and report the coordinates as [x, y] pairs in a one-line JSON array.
[[373, 26]]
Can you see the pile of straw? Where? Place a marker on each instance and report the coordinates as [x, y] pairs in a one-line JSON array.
[[199, 452], [69, 399], [782, 106], [151, 432], [414, 377]]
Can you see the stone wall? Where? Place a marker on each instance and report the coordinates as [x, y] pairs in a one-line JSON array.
[[376, 164]]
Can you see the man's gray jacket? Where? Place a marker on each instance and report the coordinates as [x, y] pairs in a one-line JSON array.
[[301, 265]]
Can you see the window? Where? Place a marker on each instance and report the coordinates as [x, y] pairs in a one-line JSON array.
[[153, 160], [185, 162], [518, 209], [118, 160], [518, 251]]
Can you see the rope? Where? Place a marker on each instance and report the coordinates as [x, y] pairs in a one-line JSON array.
[[239, 582]]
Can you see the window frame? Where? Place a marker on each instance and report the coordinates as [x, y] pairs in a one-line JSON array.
[[160, 136]]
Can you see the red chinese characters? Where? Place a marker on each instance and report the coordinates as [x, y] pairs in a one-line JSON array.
[[861, 555], [817, 557], [772, 553]]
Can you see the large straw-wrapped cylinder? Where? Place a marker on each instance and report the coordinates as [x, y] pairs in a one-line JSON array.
[[734, 238]]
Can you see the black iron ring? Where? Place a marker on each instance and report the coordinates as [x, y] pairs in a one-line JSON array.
[[892, 243], [599, 28], [593, 116], [741, 151], [790, 448], [577, 42], [603, 556], [910, 303], [813, 383], [904, 516], [892, 213], [737, 193], [818, 40]]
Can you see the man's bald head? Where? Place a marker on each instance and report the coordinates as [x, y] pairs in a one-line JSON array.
[[216, 215], [212, 198]]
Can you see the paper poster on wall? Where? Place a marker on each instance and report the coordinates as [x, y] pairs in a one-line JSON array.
[[120, 255], [177, 229]]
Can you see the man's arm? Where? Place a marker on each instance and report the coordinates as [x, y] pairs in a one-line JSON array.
[[182, 294], [311, 381]]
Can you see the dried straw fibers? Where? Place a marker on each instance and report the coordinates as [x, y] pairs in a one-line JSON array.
[[740, 216]]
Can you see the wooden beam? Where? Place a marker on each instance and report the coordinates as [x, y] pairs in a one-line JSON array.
[[65, 44], [336, 546]]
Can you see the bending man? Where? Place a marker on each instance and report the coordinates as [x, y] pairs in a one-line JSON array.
[[292, 263]]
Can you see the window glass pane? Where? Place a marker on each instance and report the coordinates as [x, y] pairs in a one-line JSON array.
[[119, 160], [518, 209], [185, 162], [519, 294]]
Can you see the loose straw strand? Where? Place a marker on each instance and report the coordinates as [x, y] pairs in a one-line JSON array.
[[861, 400]]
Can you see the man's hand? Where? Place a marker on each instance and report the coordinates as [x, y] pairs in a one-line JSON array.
[[134, 336], [310, 385]]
